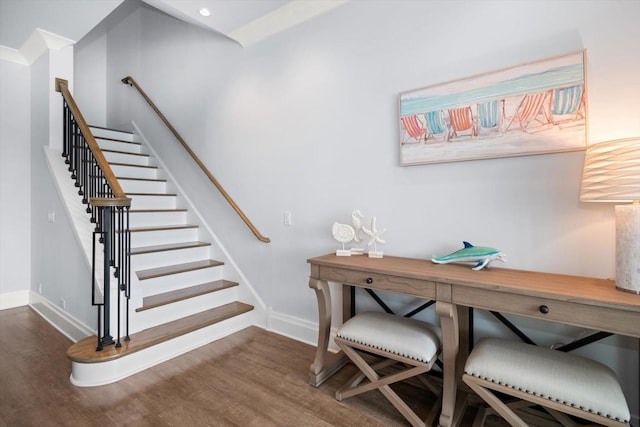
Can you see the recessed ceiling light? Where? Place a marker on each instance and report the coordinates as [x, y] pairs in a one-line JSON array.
[[205, 12]]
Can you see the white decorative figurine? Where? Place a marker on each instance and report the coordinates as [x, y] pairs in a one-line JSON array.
[[343, 233], [356, 215], [374, 238]]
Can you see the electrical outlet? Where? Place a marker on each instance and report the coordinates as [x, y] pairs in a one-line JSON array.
[[63, 303], [286, 217], [40, 288], [51, 216]]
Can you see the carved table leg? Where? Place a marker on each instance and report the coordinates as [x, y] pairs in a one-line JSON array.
[[450, 337], [320, 370]]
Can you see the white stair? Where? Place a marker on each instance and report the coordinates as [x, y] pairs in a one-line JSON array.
[[173, 275]]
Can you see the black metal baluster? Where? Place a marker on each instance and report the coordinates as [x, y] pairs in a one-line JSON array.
[[65, 130], [127, 269], [81, 168], [72, 153], [93, 289], [107, 339]]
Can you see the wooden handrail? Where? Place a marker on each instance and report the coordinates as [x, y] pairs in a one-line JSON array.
[[120, 197], [131, 82]]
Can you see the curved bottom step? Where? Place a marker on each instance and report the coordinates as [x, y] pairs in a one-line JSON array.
[[153, 346]]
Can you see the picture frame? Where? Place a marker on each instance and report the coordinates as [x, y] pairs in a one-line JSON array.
[[538, 107]]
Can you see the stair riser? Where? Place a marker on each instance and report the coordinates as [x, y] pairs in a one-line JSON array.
[[153, 202], [159, 259], [108, 133], [134, 172], [177, 310], [163, 237], [134, 186], [159, 285], [106, 144], [142, 219], [130, 159]]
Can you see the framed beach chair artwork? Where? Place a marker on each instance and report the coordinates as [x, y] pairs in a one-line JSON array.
[[539, 107]]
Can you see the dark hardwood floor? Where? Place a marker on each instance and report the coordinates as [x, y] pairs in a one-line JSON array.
[[252, 378]]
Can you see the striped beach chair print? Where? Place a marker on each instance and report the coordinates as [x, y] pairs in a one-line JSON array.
[[414, 128]]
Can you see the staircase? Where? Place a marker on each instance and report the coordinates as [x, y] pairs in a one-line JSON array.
[[180, 298]]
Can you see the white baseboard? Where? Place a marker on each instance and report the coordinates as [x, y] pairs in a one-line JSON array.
[[68, 325], [297, 329], [14, 299]]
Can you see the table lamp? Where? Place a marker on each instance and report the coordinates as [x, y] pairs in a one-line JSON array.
[[612, 174]]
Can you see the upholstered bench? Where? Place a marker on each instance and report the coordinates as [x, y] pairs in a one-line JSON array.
[[558, 381], [395, 339]]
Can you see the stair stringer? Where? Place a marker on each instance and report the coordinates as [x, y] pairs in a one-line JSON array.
[[246, 292]]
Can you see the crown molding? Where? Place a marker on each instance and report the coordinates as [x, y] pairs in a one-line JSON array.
[[38, 43]]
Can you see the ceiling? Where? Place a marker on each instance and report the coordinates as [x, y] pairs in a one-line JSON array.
[[245, 21]]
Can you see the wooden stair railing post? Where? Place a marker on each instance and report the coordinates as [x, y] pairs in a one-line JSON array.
[[109, 207], [131, 82]]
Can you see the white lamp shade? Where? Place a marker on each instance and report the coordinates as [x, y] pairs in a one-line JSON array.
[[612, 174], [612, 171]]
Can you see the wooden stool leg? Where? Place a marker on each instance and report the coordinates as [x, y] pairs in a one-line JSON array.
[[401, 406], [498, 405], [382, 384], [375, 380], [359, 376]]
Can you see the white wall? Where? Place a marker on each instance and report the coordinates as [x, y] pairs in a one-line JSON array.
[[15, 179], [307, 122]]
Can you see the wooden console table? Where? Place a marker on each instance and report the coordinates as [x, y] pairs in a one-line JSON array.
[[579, 301]]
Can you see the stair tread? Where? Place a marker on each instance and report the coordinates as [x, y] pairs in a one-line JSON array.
[[105, 150], [124, 141], [161, 227], [131, 178], [167, 247], [165, 298], [132, 165], [156, 210], [177, 268], [84, 351], [152, 194], [111, 129]]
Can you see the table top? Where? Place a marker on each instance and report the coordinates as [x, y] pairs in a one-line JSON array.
[[578, 289]]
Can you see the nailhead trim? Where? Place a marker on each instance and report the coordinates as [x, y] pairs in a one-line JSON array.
[[383, 349], [611, 417]]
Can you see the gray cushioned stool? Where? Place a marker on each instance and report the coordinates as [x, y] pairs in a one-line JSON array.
[[395, 339], [561, 383]]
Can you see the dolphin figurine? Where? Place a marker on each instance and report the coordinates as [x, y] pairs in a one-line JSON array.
[[483, 255]]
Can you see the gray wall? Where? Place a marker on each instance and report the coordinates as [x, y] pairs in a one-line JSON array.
[[58, 266], [306, 122], [15, 180]]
